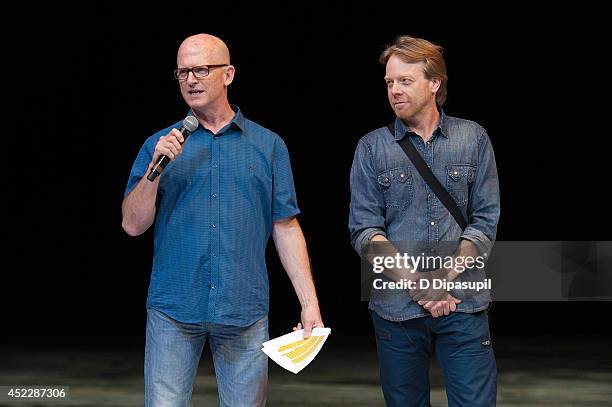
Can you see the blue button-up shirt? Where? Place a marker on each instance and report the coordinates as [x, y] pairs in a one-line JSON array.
[[215, 206], [389, 197]]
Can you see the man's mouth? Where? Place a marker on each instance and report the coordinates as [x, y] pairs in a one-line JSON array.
[[195, 92]]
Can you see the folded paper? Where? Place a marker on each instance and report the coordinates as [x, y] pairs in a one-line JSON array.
[[292, 351]]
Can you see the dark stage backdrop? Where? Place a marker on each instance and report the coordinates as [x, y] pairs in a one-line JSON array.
[[90, 90]]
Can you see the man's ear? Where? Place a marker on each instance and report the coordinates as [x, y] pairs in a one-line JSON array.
[[230, 71], [435, 85]]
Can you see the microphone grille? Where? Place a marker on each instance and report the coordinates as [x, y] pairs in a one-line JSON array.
[[190, 123]]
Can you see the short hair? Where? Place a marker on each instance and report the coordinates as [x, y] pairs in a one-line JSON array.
[[414, 50]]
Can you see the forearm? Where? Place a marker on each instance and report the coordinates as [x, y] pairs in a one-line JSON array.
[[381, 246], [466, 249], [138, 208], [291, 247]]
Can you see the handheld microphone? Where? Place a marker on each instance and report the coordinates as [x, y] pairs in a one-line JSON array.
[[190, 124]]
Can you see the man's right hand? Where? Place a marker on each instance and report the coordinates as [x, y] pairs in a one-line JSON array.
[[439, 308], [169, 145], [437, 301]]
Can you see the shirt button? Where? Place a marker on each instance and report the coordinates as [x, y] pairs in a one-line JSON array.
[[214, 165], [214, 226], [433, 223], [214, 195], [213, 287], [428, 195], [214, 255]]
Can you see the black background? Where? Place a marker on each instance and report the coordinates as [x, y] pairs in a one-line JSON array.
[[89, 89]]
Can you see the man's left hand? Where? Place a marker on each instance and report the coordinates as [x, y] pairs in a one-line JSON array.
[[439, 308]]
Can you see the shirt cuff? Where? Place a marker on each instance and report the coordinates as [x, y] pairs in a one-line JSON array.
[[364, 238], [482, 242]]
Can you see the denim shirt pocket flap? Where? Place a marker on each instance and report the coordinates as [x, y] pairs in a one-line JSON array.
[[456, 172], [471, 174], [384, 179], [399, 174], [461, 172]]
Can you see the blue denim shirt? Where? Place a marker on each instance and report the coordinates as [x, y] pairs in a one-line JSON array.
[[390, 198], [215, 208]]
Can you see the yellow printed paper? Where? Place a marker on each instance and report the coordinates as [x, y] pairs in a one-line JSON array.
[[292, 351]]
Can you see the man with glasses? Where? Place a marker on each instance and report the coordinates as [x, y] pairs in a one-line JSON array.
[[215, 205]]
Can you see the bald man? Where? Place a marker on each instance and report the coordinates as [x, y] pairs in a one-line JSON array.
[[225, 190]]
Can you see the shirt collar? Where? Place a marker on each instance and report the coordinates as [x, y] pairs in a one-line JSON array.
[[401, 129], [238, 120]]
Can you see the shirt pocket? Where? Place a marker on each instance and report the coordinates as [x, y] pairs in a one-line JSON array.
[[257, 171], [397, 187], [459, 177], [256, 179]]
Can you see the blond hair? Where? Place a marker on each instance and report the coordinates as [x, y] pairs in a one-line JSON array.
[[414, 50]]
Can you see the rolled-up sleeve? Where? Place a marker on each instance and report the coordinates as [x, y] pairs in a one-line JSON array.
[[367, 208], [484, 206]]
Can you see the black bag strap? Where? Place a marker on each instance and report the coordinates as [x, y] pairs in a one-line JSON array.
[[430, 178]]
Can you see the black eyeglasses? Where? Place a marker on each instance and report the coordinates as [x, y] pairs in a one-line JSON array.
[[199, 72]]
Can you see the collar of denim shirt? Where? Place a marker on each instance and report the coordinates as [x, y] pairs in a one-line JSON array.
[[237, 120], [401, 130]]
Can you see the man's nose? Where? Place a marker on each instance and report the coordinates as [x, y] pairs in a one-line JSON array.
[[396, 89], [191, 77]]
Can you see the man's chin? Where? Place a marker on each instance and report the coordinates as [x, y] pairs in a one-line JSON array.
[[404, 114], [399, 108], [197, 104]]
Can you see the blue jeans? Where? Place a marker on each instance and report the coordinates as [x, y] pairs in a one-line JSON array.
[[462, 344], [172, 354]]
